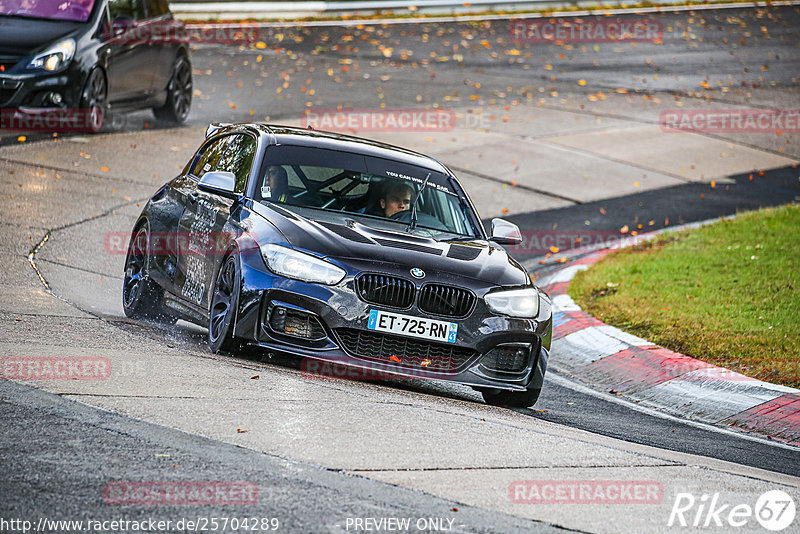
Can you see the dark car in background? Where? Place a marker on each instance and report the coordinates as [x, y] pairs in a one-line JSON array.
[[95, 57], [339, 249]]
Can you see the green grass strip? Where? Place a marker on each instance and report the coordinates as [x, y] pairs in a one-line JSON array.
[[727, 293]]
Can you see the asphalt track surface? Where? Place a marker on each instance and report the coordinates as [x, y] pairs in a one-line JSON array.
[[99, 447], [103, 446]]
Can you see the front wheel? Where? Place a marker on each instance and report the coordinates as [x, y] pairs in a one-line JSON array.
[[94, 99], [223, 307], [179, 94], [142, 298], [512, 399]]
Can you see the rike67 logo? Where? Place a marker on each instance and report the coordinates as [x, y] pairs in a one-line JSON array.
[[774, 510]]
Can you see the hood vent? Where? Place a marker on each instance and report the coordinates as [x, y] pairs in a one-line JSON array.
[[347, 233], [461, 252], [409, 246]]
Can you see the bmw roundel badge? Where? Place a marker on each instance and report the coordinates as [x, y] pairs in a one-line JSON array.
[[417, 273]]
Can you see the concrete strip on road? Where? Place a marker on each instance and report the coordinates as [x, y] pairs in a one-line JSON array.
[[538, 165], [605, 153], [686, 156], [495, 199]]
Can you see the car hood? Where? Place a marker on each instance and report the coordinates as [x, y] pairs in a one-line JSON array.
[[366, 248], [21, 36]]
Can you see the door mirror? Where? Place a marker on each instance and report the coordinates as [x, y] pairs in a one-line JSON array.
[[505, 233], [121, 25], [219, 182]]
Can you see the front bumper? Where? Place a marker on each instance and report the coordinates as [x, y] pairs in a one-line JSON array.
[[342, 332], [31, 90], [44, 103]]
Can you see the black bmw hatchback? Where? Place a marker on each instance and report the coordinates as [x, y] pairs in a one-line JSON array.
[[339, 249], [93, 57]]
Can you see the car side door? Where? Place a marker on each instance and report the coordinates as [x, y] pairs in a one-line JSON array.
[[237, 159], [129, 53], [167, 35], [205, 226]]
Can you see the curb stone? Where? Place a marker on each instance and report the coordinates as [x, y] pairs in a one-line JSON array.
[[608, 359]]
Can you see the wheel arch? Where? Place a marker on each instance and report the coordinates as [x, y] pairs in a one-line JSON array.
[[89, 72], [232, 251], [183, 52], [142, 221]]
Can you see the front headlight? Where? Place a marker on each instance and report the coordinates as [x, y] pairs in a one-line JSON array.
[[56, 57], [300, 266], [514, 302]]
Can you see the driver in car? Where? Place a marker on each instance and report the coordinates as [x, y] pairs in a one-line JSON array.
[[276, 184], [396, 198]]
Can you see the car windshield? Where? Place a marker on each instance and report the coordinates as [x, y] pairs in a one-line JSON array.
[[72, 10], [379, 190]]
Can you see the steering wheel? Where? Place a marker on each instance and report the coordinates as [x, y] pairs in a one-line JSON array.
[[402, 216]]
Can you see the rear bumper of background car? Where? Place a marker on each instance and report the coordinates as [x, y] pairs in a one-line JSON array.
[[329, 324]]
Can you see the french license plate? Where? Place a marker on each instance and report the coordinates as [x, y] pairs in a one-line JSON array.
[[406, 325]]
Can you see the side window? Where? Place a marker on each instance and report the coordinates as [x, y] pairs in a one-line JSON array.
[[238, 159], [156, 8], [209, 157], [132, 9]]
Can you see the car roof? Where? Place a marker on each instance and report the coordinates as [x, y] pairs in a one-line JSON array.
[[290, 135]]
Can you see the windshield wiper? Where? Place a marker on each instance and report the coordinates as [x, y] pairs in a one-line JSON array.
[[460, 238], [413, 224]]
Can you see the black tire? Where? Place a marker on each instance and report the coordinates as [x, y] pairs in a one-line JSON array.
[[142, 298], [179, 94], [512, 399], [224, 303], [94, 99]]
